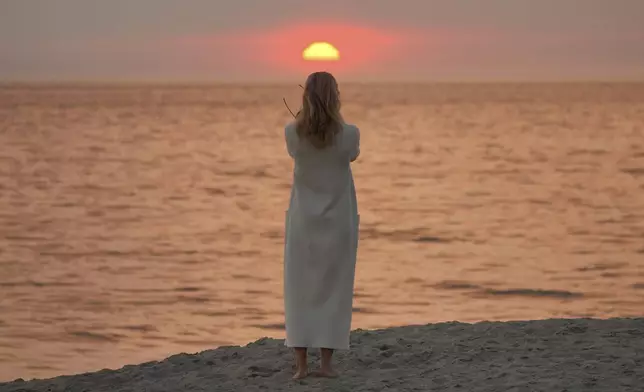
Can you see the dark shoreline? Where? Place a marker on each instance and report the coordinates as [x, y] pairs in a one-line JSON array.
[[542, 355]]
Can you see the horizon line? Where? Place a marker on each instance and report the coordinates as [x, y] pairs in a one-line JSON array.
[[348, 81]]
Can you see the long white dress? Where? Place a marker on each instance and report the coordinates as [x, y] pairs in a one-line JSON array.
[[321, 241]]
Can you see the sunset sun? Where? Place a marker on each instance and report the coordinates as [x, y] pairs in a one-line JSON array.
[[321, 51]]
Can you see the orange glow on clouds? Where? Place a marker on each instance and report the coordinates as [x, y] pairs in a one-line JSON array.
[[359, 46], [281, 49]]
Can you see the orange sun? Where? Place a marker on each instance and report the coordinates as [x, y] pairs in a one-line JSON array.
[[321, 51]]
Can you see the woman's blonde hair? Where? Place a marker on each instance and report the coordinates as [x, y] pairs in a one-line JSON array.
[[320, 120]]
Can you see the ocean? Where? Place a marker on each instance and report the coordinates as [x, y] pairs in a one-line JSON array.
[[139, 221]]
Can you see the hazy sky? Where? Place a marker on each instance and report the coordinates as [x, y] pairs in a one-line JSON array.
[[377, 39]]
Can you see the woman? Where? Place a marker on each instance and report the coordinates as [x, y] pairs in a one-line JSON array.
[[321, 226]]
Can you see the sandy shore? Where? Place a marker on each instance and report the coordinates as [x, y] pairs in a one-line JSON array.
[[547, 355]]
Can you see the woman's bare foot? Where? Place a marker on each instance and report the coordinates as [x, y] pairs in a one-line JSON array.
[[300, 374], [302, 368], [326, 370]]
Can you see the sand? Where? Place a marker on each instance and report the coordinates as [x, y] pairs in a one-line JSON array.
[[546, 355]]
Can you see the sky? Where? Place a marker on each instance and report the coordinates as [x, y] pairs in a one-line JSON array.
[[378, 40]]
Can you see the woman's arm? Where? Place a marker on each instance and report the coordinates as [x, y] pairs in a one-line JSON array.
[[291, 139], [355, 150]]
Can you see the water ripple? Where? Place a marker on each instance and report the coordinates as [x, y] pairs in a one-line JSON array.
[[138, 221]]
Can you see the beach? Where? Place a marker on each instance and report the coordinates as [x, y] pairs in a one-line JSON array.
[[150, 195], [544, 355]]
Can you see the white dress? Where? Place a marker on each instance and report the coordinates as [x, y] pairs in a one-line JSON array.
[[321, 241]]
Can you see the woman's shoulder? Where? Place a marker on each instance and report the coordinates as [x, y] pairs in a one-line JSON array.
[[352, 130], [290, 129]]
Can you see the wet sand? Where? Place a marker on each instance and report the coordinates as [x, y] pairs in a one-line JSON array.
[[545, 355]]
